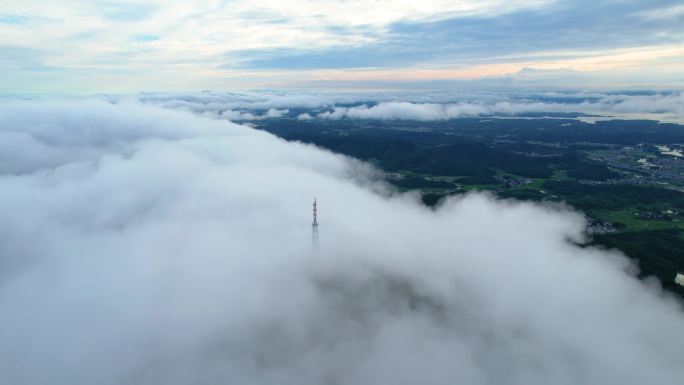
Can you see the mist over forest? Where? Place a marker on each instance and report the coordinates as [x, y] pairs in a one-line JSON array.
[[341, 192], [151, 246]]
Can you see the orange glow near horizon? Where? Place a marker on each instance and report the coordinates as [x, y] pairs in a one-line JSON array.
[[614, 60]]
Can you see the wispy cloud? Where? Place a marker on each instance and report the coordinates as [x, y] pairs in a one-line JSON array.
[[238, 44]]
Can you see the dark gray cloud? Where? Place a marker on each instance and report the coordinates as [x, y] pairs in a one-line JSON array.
[[570, 26]]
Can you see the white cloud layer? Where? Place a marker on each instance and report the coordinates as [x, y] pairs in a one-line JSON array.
[[667, 106], [148, 246], [247, 116]]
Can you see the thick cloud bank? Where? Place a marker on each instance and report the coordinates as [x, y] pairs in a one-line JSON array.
[[147, 246]]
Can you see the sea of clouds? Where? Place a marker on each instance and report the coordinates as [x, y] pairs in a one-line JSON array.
[[430, 106], [145, 245]]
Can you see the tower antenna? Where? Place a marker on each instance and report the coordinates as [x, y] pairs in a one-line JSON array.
[[314, 226]]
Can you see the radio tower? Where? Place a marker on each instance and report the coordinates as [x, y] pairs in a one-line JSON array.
[[314, 227]]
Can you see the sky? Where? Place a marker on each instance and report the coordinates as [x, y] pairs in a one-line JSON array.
[[147, 245], [97, 46]]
